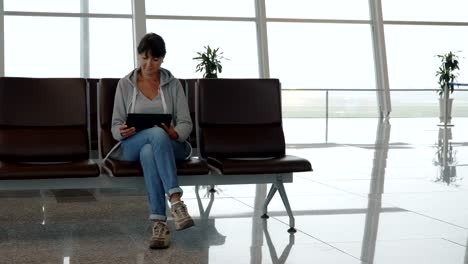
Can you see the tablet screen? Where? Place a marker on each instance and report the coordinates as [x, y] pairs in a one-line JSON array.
[[143, 121]]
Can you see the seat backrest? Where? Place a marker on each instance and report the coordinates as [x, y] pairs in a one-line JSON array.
[[240, 118], [190, 93], [106, 88], [43, 119], [92, 106]]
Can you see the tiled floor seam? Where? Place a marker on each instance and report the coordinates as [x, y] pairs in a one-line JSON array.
[[448, 240]]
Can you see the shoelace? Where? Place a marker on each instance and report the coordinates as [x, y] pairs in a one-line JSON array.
[[180, 210], [159, 230]]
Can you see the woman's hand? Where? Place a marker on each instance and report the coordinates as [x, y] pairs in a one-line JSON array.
[[170, 131], [126, 132]]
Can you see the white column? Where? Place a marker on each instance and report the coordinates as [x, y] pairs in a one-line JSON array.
[[380, 58], [84, 40], [139, 25], [262, 39], [2, 41]]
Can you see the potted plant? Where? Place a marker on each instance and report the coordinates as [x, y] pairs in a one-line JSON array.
[[447, 74], [210, 62]]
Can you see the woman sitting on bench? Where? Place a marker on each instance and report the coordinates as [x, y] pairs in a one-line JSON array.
[[152, 89]]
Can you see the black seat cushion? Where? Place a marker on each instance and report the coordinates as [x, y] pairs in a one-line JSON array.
[[284, 164], [121, 168], [18, 171]]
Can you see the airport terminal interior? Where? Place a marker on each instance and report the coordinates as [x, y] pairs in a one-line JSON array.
[[360, 102]]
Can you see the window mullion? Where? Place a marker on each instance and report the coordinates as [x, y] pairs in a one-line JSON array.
[[84, 40], [139, 25]]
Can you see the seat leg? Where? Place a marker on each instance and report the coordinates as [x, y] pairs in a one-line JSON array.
[[270, 195], [212, 189], [284, 197]]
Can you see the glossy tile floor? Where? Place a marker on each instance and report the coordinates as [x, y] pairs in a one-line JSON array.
[[381, 192]]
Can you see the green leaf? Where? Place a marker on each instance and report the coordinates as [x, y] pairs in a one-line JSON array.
[[209, 62]]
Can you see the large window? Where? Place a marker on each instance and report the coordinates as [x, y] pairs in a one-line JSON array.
[[321, 56], [42, 46], [110, 6], [111, 47], [412, 64], [318, 9], [321, 51], [68, 6], [185, 38], [425, 10], [412, 50], [312, 46], [218, 8], [52, 38]]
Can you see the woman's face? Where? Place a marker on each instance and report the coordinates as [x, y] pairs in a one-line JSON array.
[[149, 64]]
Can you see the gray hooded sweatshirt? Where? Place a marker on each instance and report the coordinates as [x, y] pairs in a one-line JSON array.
[[174, 97]]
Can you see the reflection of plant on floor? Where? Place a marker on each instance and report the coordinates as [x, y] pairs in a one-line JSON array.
[[448, 167]]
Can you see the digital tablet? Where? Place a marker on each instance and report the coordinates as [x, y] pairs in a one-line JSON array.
[[143, 121]]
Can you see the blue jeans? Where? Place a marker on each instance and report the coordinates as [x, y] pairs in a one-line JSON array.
[[157, 154]]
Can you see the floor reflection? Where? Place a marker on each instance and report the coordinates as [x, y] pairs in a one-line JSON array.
[[466, 252], [374, 206], [260, 231], [205, 223], [259, 228], [446, 157], [274, 256]]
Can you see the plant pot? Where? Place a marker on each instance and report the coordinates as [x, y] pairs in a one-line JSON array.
[[442, 110]]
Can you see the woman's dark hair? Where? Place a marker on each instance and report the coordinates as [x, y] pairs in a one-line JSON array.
[[154, 44]]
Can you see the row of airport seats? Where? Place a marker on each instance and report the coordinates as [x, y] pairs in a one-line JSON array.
[[46, 125]]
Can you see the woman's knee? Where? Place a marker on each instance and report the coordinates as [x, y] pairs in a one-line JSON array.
[[146, 152], [158, 135]]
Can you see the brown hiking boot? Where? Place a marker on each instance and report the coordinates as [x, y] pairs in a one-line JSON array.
[[182, 219], [160, 238]]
